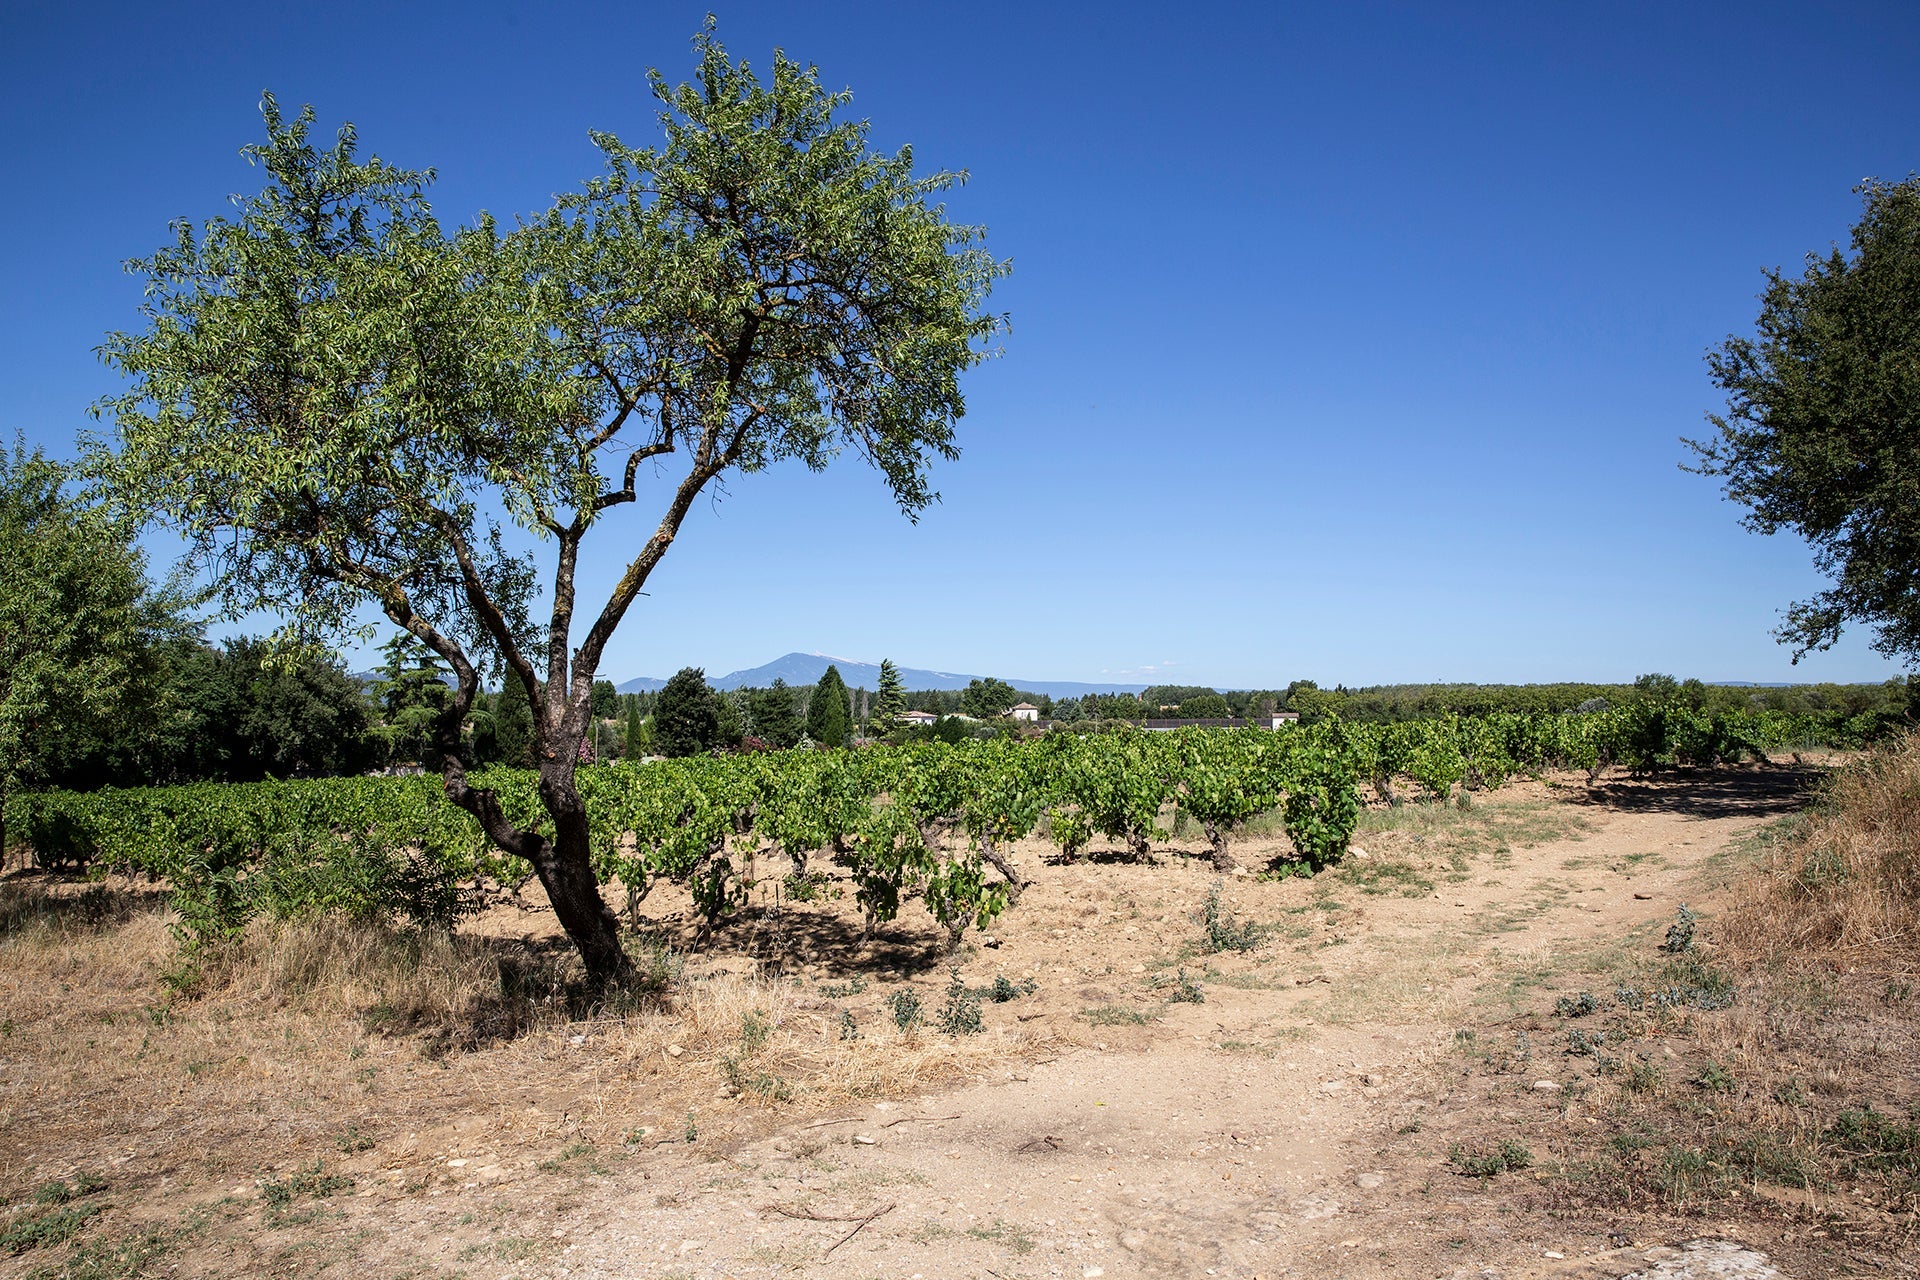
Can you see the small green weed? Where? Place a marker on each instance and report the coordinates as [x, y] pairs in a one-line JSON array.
[[1680, 932], [60, 1191], [280, 1193], [1579, 1006], [1002, 990], [960, 1015], [1715, 1078], [1485, 1160], [56, 1227], [1113, 1015], [848, 1029], [1224, 933], [905, 1007], [352, 1141]]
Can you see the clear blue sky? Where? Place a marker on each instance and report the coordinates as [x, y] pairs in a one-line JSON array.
[[1350, 342]]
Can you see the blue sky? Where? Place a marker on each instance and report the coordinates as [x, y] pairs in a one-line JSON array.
[[1350, 342]]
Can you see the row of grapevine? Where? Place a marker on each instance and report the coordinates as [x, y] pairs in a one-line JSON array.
[[930, 821]]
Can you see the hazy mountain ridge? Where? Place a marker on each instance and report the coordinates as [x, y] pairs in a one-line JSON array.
[[807, 668]]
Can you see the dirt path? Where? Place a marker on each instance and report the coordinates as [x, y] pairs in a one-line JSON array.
[[1295, 1123]]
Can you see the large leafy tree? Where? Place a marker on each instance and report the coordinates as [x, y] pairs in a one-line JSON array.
[[686, 719], [339, 403], [246, 712], [1822, 430], [987, 698], [82, 633]]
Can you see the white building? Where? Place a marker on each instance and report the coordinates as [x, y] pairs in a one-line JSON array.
[[1024, 711]]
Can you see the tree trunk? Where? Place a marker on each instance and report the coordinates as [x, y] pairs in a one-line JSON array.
[[1217, 837], [566, 871], [1000, 862], [564, 863]]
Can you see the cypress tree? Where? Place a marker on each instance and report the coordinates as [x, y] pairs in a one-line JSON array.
[[633, 751], [829, 719], [513, 724]]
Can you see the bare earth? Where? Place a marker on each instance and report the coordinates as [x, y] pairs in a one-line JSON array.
[[1297, 1122]]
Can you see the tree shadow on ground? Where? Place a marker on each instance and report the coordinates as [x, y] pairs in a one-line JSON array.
[[1750, 791], [70, 904]]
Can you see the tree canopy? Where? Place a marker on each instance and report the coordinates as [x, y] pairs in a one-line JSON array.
[[339, 403], [891, 697], [686, 719], [829, 717], [1821, 434], [81, 629]]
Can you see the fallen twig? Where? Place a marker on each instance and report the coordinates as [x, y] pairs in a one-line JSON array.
[[808, 1215], [821, 1124], [856, 1229], [906, 1119]]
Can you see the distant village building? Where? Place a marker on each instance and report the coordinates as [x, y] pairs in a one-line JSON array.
[[916, 719], [1274, 721], [1024, 711]]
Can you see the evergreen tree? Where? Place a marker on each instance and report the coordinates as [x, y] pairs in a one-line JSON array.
[[773, 716], [634, 750], [513, 725], [891, 699], [732, 718], [829, 719], [686, 717], [603, 700]]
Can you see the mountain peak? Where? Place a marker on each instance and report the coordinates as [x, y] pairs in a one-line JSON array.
[[807, 668]]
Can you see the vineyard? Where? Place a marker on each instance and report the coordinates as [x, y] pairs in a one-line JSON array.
[[931, 821]]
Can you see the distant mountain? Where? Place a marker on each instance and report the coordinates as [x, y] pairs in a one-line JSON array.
[[807, 668]]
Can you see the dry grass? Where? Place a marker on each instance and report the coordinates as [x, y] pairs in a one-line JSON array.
[[1844, 887], [1766, 1071], [308, 1029]]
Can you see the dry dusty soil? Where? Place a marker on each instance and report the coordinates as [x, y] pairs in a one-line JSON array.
[[1297, 1119]]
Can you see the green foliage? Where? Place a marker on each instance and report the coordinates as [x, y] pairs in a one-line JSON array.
[[686, 718], [603, 700], [638, 739], [1185, 989], [1680, 933], [960, 1015], [1223, 932], [1113, 1015], [984, 699], [512, 737], [1579, 1006], [335, 401], [81, 632], [1003, 989], [55, 1227], [1487, 1160], [904, 1005], [247, 711], [314, 1182], [891, 698], [771, 711], [1821, 435], [65, 1191], [829, 717], [1205, 706], [412, 694]]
